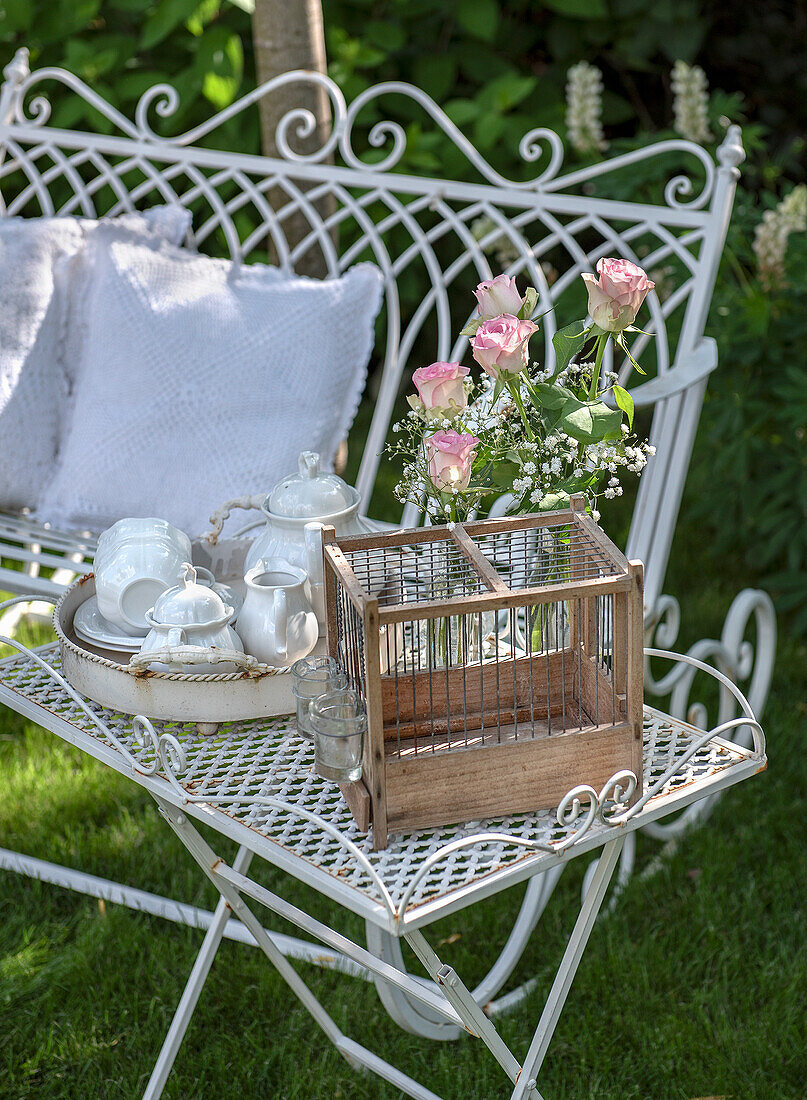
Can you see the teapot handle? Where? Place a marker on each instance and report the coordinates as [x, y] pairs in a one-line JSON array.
[[221, 515], [175, 637], [280, 622]]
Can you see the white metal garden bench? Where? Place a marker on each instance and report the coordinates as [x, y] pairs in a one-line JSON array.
[[553, 226]]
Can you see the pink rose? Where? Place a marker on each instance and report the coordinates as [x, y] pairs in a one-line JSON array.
[[450, 456], [440, 386], [499, 295], [616, 297], [500, 344]]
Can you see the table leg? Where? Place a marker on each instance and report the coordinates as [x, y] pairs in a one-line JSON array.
[[411, 1015], [354, 1053], [193, 987], [461, 999], [568, 967], [524, 1077], [230, 882]]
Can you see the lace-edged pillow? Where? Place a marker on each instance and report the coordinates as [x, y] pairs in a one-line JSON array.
[[33, 382], [198, 380]]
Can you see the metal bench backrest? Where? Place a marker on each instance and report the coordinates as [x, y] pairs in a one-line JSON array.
[[419, 230]]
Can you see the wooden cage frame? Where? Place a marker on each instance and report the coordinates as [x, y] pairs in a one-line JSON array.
[[493, 779]]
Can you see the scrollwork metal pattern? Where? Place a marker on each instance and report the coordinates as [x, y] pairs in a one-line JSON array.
[[736, 657], [738, 660], [536, 217], [163, 100], [260, 775]]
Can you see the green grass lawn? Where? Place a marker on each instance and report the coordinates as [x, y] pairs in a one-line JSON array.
[[694, 986]]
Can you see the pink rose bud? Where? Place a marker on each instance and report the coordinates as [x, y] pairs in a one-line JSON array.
[[440, 386], [451, 456], [499, 295], [616, 297], [500, 344]]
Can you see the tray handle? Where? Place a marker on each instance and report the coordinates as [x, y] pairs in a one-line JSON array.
[[194, 655]]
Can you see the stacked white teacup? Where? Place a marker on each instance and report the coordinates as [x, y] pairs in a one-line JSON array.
[[136, 560], [142, 567]]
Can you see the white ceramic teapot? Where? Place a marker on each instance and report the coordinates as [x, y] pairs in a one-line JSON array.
[[277, 623], [192, 620], [298, 499]]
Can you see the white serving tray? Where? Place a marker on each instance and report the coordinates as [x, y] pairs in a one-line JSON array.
[[206, 699]]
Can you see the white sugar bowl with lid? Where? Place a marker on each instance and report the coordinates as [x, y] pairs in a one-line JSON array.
[[305, 497], [191, 616]]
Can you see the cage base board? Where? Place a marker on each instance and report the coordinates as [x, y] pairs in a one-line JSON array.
[[428, 693], [432, 789], [475, 731], [493, 695], [531, 719]]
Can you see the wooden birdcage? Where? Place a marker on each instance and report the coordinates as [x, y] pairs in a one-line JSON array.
[[500, 662]]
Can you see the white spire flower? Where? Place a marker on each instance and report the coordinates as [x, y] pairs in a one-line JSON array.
[[584, 108], [691, 102], [770, 237]]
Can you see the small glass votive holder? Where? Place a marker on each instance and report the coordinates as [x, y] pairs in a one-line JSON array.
[[312, 677], [339, 724]]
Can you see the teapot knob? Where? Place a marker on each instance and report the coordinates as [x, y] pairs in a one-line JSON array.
[[308, 464]]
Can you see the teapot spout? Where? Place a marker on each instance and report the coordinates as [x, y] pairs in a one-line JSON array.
[[313, 552], [316, 572]]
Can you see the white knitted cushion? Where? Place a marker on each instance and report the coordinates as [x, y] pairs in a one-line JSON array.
[[33, 383], [200, 380]]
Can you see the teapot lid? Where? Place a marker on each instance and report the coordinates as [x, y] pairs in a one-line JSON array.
[[310, 493], [189, 603]]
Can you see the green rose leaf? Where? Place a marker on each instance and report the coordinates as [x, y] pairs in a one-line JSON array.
[[568, 342], [503, 474], [471, 327], [551, 397], [590, 423], [625, 403]]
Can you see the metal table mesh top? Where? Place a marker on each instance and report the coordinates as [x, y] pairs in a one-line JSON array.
[[247, 760]]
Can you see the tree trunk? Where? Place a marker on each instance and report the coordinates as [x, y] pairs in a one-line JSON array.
[[288, 34]]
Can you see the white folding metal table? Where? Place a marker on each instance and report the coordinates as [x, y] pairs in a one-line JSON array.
[[254, 783]]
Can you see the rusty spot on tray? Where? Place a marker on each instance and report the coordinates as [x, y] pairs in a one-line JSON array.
[[86, 579], [252, 674], [143, 673]]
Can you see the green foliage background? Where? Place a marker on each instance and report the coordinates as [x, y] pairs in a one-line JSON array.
[[499, 69]]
